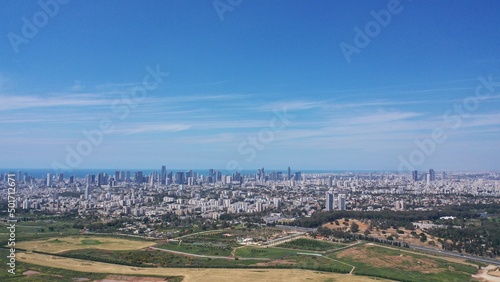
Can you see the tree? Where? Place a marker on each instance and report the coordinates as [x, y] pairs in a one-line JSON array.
[[354, 227]]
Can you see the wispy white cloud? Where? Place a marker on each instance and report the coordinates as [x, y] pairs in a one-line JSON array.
[[289, 105], [379, 117], [73, 100], [130, 129]]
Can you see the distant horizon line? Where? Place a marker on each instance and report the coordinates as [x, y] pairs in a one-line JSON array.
[[254, 169]]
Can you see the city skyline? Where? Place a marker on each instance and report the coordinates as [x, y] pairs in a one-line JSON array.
[[246, 91]]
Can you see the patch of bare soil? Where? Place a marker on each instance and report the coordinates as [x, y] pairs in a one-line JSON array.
[[31, 273], [494, 272], [121, 278]]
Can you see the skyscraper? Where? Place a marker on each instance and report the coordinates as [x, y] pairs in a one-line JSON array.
[[179, 178], [289, 173], [341, 202], [414, 175], [432, 175], [49, 179], [329, 201], [88, 191], [138, 177], [298, 176], [163, 179]]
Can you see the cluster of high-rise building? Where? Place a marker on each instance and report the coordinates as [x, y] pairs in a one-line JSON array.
[[428, 177], [335, 201], [211, 193]]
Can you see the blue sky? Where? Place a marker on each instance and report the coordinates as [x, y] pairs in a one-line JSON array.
[[230, 72]]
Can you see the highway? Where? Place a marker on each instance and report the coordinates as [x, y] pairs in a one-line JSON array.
[[452, 254]]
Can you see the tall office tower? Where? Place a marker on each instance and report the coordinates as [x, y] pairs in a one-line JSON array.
[[297, 176], [179, 177], [71, 179], [127, 176], [117, 176], [329, 201], [341, 202], [60, 177], [444, 175], [169, 177], [414, 175], [100, 179], [163, 179], [432, 174], [279, 175], [261, 175], [289, 173], [211, 175], [189, 173], [49, 180], [152, 180], [236, 176], [19, 174], [88, 191], [218, 176], [89, 179], [330, 181], [138, 177]]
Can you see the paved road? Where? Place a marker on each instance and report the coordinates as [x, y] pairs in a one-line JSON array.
[[452, 254]]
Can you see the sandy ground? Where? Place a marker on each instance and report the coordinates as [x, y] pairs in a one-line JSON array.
[[489, 274], [192, 274], [64, 244]]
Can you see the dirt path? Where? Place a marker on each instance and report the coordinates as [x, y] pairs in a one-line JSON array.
[[484, 276]]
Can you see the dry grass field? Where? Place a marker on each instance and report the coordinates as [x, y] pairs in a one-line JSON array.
[[62, 244], [192, 274]]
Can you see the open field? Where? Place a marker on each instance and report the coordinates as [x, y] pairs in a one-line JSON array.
[[198, 249], [26, 272], [311, 245], [63, 244], [151, 258], [192, 274], [395, 264], [258, 252]]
